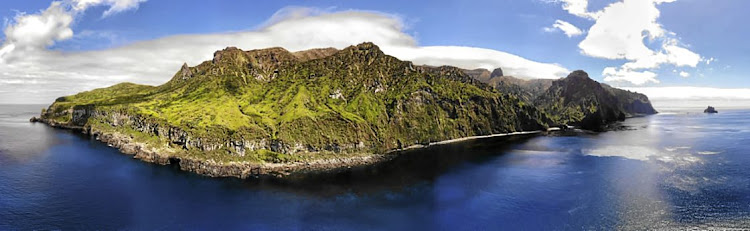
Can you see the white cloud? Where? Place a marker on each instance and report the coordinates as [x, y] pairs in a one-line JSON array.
[[612, 74], [709, 60], [684, 74], [29, 32], [115, 6], [37, 31], [620, 33], [693, 93], [42, 75], [695, 99], [577, 7], [472, 58], [569, 29]]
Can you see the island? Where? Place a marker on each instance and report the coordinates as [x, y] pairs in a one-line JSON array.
[[710, 110], [271, 112]]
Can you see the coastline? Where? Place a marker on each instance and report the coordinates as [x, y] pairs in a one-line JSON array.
[[244, 170]]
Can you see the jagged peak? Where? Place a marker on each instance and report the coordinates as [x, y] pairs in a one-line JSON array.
[[185, 72], [365, 47], [496, 73], [579, 74], [221, 55], [228, 50]]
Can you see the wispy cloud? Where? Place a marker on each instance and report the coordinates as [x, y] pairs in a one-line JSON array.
[[570, 30], [115, 6]]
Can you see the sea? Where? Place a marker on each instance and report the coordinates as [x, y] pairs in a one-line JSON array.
[[680, 169]]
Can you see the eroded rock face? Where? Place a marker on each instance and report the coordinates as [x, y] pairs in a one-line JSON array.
[[185, 72], [498, 72]]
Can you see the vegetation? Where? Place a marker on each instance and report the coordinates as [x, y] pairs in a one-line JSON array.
[[271, 105]]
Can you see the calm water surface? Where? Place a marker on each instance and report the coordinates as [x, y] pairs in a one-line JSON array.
[[672, 170]]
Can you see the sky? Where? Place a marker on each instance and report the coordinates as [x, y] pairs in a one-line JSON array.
[[671, 50]]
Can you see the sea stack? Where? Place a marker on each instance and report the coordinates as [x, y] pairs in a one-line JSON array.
[[710, 110]]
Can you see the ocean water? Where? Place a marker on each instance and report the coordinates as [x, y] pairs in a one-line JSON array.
[[674, 170]]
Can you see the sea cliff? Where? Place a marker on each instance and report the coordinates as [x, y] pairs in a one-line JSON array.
[[275, 112]]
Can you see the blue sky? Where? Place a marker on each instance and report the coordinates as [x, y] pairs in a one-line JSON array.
[[714, 30]]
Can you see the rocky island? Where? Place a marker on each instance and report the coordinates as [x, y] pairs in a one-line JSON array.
[[710, 110], [273, 112]]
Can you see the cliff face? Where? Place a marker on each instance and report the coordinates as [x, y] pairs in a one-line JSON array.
[[574, 100], [526, 89], [272, 105], [581, 101]]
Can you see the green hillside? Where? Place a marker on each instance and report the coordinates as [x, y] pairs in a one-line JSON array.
[[272, 105]]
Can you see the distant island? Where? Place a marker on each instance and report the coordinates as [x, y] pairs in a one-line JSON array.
[[710, 110], [274, 112]]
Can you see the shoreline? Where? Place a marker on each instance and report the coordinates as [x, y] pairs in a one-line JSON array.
[[468, 138], [243, 170]]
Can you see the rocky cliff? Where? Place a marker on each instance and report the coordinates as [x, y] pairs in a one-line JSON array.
[[580, 101], [574, 100], [273, 108]]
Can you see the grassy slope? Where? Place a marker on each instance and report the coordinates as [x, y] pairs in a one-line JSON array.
[[357, 96]]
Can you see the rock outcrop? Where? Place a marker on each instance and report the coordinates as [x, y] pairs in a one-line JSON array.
[[498, 72], [710, 110]]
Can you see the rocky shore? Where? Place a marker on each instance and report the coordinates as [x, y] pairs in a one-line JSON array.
[[126, 145]]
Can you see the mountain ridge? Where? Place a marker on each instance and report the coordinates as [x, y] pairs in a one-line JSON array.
[[277, 111]]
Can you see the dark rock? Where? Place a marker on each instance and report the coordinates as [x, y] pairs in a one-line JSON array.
[[580, 101], [498, 72], [710, 110]]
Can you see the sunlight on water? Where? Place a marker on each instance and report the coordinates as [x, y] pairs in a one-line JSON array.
[[669, 171]]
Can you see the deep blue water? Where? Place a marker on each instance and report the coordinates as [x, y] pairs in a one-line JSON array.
[[673, 170]]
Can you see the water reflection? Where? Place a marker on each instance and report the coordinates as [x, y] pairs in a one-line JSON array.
[[417, 166], [670, 171]]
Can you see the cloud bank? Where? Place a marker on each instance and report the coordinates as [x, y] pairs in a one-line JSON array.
[[39, 75], [695, 98]]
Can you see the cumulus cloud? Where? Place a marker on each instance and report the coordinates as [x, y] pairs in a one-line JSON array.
[[37, 31], [620, 32], [684, 74], [42, 75], [569, 29], [612, 74], [30, 32]]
